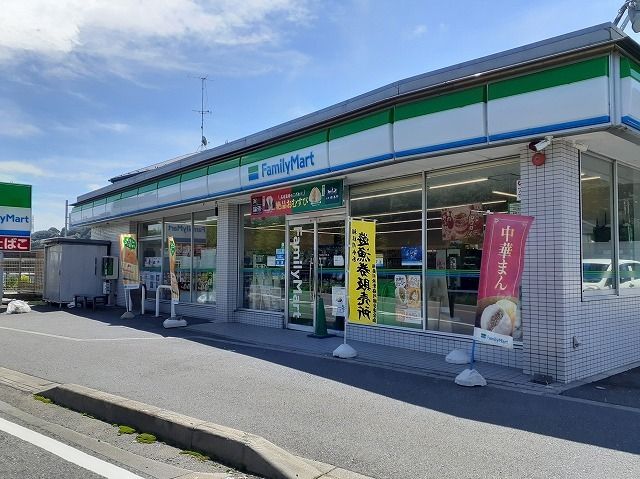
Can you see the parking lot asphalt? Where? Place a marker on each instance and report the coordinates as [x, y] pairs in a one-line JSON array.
[[379, 422], [622, 389]]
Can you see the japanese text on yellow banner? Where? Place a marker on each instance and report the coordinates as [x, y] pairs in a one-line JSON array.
[[363, 287]]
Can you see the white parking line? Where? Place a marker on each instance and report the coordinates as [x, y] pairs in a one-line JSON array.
[[66, 452], [69, 338]]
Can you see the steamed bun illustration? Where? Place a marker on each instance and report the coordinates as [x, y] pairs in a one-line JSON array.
[[495, 318]]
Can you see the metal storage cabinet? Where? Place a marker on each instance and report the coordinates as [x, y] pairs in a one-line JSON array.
[[72, 266]]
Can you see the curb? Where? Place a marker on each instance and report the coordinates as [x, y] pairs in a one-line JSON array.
[[241, 450], [24, 382]]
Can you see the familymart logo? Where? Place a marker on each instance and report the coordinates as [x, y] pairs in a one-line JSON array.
[[282, 166], [254, 173]]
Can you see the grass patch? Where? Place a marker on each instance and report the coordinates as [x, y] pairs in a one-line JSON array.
[[43, 399], [126, 430], [195, 454], [146, 438]]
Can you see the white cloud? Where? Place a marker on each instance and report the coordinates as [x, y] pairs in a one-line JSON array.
[[419, 30], [89, 126], [76, 37], [13, 122], [13, 168], [24, 170], [7, 178], [114, 127]]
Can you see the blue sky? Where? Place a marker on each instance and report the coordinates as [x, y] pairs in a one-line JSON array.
[[93, 88]]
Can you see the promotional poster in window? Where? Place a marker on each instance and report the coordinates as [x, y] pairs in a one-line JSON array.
[[498, 318], [462, 223]]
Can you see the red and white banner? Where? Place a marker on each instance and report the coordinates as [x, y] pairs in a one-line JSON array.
[[15, 243], [498, 316]]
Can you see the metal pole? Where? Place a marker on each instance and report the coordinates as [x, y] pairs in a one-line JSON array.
[[66, 218], [19, 286], [347, 246]]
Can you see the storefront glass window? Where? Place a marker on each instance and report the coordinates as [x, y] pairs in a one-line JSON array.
[[598, 272], [396, 205], [205, 241], [263, 270], [457, 202], [180, 229], [629, 229], [150, 255]]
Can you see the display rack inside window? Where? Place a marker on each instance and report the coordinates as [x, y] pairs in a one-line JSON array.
[[263, 269], [150, 248], [396, 206], [457, 203], [205, 240]]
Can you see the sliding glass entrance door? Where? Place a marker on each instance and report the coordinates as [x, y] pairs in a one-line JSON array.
[[316, 272]]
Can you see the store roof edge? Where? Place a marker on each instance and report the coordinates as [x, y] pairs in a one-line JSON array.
[[591, 37]]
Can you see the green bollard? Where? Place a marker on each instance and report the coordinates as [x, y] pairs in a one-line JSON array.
[[320, 330]]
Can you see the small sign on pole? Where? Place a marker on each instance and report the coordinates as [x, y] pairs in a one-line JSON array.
[[129, 269], [175, 291], [362, 290]]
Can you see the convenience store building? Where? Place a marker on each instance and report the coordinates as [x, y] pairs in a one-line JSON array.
[[259, 223]]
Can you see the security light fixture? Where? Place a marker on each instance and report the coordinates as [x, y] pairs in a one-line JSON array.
[[632, 9]]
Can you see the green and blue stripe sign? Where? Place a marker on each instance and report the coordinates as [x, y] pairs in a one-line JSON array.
[[630, 92], [567, 97]]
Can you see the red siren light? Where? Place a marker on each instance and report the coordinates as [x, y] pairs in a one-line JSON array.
[[538, 159]]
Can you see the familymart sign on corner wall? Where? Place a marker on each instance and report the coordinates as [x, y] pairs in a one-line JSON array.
[[15, 217]]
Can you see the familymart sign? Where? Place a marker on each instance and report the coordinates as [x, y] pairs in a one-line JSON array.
[[15, 217]]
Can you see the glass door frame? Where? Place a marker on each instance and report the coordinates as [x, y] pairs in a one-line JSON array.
[[315, 220]]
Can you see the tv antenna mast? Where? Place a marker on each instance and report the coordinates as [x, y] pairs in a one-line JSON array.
[[202, 111]]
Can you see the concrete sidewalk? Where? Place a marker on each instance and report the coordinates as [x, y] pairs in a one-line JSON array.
[[370, 354]]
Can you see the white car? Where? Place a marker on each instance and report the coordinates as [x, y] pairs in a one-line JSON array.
[[596, 274]]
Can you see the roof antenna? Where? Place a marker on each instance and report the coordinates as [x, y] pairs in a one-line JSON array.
[[202, 111]]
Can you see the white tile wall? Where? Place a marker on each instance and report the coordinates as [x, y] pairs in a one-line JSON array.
[[607, 329]]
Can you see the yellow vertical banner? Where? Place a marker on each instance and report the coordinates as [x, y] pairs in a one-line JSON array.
[[363, 278], [129, 261], [175, 292]]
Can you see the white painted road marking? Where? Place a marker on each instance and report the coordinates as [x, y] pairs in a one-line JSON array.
[[66, 452], [69, 338]]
